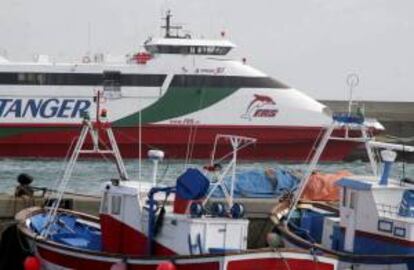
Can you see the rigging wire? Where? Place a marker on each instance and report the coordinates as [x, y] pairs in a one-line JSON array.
[[57, 183], [193, 133], [187, 152]]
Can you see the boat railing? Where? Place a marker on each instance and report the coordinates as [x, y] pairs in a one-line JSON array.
[[388, 210]]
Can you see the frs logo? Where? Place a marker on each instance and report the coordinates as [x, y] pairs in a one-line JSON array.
[[260, 106]]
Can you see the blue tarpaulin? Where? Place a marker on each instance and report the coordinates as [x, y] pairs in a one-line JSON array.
[[256, 184]]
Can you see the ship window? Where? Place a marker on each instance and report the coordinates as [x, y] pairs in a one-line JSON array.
[[31, 78], [104, 206], [40, 78], [185, 50], [353, 200], [116, 205], [21, 77], [151, 49], [385, 226], [112, 81], [344, 194], [400, 232]]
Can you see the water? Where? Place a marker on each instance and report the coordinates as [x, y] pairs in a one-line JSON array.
[[89, 175]]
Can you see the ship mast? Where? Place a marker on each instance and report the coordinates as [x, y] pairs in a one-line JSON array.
[[168, 27]]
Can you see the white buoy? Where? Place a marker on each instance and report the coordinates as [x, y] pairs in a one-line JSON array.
[[388, 157], [156, 156]]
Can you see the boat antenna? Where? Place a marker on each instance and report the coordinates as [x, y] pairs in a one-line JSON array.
[[403, 160], [352, 80], [168, 27]]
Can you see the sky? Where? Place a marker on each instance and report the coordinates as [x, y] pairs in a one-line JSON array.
[[311, 45]]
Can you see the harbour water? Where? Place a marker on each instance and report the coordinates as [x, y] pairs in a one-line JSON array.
[[88, 175]]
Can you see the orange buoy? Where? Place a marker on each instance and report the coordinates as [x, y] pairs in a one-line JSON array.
[[31, 263], [166, 266], [104, 113]]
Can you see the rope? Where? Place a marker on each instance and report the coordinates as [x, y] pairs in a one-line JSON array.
[[285, 261], [57, 182], [314, 146], [315, 257], [187, 152], [192, 135], [30, 248]]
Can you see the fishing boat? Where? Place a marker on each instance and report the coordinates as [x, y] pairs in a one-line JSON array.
[[188, 88], [370, 227], [135, 231]]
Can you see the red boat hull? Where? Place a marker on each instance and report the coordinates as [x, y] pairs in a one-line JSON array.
[[273, 143], [55, 259]]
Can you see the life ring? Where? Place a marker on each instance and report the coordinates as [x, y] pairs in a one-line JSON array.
[[86, 59]]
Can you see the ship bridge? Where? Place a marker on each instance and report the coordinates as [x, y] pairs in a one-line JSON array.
[[184, 44], [188, 46]]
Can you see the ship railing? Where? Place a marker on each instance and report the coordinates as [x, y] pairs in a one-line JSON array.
[[388, 210]]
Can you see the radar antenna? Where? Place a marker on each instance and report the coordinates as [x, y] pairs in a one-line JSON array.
[[352, 80], [168, 27]]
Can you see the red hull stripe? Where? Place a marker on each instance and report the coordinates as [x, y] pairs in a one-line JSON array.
[[279, 264], [200, 263], [118, 237], [282, 143]]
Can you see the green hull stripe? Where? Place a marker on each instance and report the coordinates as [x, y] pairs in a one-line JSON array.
[[178, 101]]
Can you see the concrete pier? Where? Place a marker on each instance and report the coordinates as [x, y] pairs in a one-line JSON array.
[[397, 118]]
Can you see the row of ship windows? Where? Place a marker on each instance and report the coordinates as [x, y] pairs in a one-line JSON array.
[[388, 227], [81, 79], [118, 79], [205, 50]]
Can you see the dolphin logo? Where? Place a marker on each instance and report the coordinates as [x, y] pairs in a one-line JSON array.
[[258, 102]]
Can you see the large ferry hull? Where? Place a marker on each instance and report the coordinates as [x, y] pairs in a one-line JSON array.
[[178, 141]]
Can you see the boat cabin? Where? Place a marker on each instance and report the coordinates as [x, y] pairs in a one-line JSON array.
[[376, 216], [373, 219], [128, 222]]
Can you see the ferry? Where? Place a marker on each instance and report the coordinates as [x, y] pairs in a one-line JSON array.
[[148, 227], [175, 94]]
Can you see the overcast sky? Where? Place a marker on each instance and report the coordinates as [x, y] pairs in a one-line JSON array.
[[309, 44]]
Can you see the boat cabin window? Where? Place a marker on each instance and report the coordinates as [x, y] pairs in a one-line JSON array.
[[353, 200], [116, 205], [31, 78], [182, 49], [112, 81], [344, 195], [104, 204]]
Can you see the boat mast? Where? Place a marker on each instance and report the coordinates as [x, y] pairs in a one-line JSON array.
[[94, 129]]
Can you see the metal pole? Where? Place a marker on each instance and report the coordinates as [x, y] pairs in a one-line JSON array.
[[234, 144], [154, 173], [140, 147], [311, 168], [371, 157], [119, 162]]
